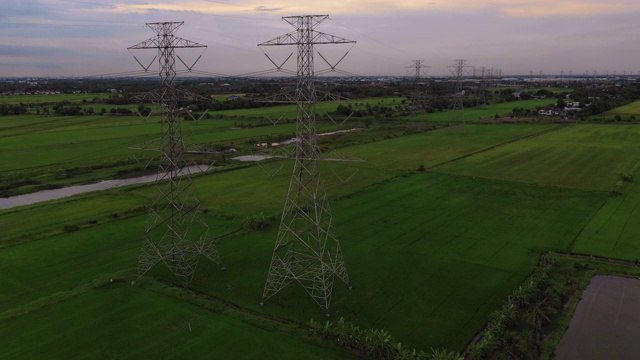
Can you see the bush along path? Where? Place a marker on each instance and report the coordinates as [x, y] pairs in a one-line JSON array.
[[531, 322], [374, 343], [517, 330]]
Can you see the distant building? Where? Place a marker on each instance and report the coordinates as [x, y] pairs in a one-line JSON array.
[[548, 111]]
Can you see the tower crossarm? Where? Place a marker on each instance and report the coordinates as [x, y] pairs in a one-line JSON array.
[[165, 38], [157, 42], [317, 38]]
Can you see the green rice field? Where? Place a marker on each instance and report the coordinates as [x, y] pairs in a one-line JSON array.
[[436, 228]]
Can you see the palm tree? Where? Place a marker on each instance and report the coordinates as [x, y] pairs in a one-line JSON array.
[[538, 315], [443, 354], [347, 333], [404, 353], [510, 346], [377, 343]]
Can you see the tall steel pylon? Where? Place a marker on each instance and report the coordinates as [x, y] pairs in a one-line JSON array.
[[457, 117], [176, 234], [481, 98], [307, 250], [416, 70]]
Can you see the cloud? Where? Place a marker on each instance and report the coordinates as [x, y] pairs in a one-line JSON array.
[[360, 7], [267, 9]]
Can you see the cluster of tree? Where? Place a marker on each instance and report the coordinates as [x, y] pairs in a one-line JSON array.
[[601, 95], [143, 110], [375, 110], [68, 110], [120, 111], [521, 112], [374, 343], [17, 109], [237, 103], [517, 329]]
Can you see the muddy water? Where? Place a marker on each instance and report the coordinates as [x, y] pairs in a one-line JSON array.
[[606, 322], [36, 197]]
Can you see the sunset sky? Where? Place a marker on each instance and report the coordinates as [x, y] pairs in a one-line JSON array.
[[86, 38]]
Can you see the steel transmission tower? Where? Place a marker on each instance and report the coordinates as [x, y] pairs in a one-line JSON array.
[[481, 98], [176, 234], [457, 118], [307, 250], [416, 70]]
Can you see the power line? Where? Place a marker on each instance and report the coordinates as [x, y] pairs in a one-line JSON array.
[[373, 39]]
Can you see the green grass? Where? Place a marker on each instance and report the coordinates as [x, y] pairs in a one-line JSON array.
[[33, 141], [436, 147], [431, 254], [68, 150], [290, 112], [588, 157], [614, 231], [81, 210], [471, 114], [484, 112], [119, 321], [632, 109], [42, 99], [437, 255]]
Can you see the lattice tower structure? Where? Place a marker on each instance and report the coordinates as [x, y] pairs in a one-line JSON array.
[[458, 71], [176, 234], [307, 250], [481, 98], [416, 71]]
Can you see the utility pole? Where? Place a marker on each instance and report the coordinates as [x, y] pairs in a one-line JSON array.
[[175, 235], [307, 250]]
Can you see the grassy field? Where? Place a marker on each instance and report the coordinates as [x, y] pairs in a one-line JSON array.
[[625, 111], [466, 248], [471, 114], [436, 147], [37, 150], [117, 321], [487, 111], [584, 157], [289, 111], [431, 253], [48, 99], [613, 231]]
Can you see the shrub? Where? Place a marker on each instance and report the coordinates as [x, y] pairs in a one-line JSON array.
[[71, 228], [257, 221]]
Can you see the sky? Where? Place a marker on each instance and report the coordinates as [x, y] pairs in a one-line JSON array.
[[69, 38]]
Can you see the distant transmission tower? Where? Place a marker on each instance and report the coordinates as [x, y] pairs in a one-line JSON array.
[[307, 250], [175, 234], [457, 117], [481, 98], [416, 70]]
